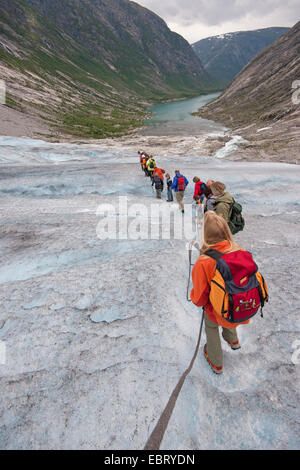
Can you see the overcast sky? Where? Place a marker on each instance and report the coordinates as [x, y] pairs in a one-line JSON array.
[[198, 19]]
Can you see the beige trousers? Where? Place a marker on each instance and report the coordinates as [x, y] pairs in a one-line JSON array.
[[214, 348], [179, 197]]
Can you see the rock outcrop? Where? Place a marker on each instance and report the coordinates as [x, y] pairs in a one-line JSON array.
[[262, 103]]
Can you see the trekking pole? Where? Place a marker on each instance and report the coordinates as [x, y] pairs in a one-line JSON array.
[[190, 271], [200, 223], [196, 244]]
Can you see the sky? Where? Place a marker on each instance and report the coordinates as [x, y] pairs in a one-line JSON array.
[[198, 19]]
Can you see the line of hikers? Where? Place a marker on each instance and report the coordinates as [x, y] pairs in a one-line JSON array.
[[156, 175], [212, 194], [226, 280]]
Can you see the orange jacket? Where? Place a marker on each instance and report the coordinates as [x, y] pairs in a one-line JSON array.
[[203, 273], [159, 172]]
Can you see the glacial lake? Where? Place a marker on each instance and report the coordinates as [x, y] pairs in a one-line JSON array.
[[175, 118]]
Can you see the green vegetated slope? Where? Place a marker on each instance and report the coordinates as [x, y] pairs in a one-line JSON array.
[[91, 67]]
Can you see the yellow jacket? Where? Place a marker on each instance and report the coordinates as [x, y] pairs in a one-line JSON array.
[[150, 160]]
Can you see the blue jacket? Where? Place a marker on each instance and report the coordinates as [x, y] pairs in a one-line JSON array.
[[175, 182]]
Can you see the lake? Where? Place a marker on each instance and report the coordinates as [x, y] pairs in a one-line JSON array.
[[175, 118]]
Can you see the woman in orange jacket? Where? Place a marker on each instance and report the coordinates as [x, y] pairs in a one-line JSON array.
[[159, 172], [217, 236]]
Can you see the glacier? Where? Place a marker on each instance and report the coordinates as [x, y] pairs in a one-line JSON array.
[[98, 332]]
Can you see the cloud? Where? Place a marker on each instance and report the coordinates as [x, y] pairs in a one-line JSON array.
[[211, 17]]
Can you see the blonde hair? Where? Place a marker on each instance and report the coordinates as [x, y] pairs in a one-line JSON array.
[[216, 230]]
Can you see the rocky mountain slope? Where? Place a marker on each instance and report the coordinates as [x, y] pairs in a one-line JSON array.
[[90, 67], [226, 55], [262, 103]]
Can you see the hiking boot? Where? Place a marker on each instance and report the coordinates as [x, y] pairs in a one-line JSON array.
[[234, 346], [215, 369]]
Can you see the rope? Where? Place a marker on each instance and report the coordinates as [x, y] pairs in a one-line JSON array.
[[155, 439]]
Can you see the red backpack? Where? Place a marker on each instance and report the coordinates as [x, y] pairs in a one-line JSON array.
[[181, 184], [238, 290]]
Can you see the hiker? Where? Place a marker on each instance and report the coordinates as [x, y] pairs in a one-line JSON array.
[[223, 200], [147, 159], [169, 186], [209, 183], [217, 236], [144, 165], [151, 165], [207, 191], [179, 185], [199, 189], [159, 172], [210, 199], [141, 155], [159, 186], [142, 160]]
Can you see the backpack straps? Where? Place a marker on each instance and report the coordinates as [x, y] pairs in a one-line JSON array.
[[214, 254]]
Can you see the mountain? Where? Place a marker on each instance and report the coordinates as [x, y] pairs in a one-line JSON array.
[[90, 67], [224, 56], [262, 103]]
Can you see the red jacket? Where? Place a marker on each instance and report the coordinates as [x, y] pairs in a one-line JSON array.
[[198, 189]]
